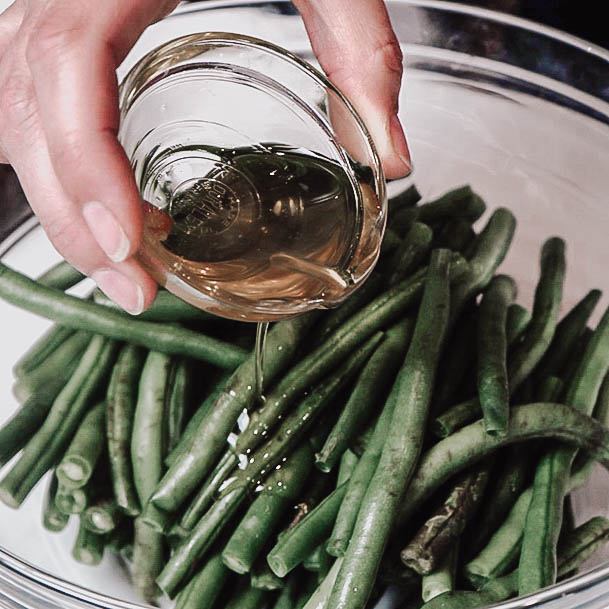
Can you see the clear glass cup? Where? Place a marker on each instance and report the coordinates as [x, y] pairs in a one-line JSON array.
[[265, 196]]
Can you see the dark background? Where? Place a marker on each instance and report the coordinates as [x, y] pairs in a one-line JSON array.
[[583, 18]]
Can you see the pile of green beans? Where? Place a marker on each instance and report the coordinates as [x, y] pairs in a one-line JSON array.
[[427, 433]]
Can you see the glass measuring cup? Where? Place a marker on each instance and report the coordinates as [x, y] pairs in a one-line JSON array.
[[263, 193]]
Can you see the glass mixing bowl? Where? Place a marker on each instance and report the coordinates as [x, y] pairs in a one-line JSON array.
[[519, 111]]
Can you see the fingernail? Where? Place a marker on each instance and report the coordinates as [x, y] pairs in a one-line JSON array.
[[123, 291], [398, 140], [107, 231]]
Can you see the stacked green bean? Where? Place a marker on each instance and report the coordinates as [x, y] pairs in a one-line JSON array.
[[426, 434]]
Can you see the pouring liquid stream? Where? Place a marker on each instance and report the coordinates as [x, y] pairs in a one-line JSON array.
[[261, 332]]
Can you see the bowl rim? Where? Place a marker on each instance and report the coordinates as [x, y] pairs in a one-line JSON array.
[[17, 572]]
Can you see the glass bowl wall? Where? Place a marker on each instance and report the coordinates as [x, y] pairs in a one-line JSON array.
[[518, 111]]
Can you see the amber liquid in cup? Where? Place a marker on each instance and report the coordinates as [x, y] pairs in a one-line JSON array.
[[259, 222]]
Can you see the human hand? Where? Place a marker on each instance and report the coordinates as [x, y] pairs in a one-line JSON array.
[[59, 116]]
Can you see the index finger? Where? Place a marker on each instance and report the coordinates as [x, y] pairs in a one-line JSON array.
[[73, 54]]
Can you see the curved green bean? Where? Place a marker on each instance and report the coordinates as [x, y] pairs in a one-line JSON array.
[[470, 444], [73, 312]]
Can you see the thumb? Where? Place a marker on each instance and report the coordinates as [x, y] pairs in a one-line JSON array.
[[359, 51]]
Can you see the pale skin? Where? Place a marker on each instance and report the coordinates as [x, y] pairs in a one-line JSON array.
[[59, 116]]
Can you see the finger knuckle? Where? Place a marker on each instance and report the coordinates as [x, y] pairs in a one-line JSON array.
[[64, 232], [52, 37], [389, 54], [17, 102]]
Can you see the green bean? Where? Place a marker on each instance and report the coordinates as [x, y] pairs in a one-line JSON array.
[[261, 463], [18, 430], [319, 598], [378, 373], [489, 250], [53, 519], [471, 444], [574, 359], [493, 391], [165, 308], [205, 587], [83, 453], [568, 520], [317, 559], [264, 579], [102, 517], [510, 481], [121, 538], [289, 594], [80, 314], [526, 353], [458, 203], [147, 447], [459, 358], [411, 253], [318, 488], [502, 551], [147, 435], [544, 520], [407, 198], [403, 444], [61, 276], [306, 590], [581, 544], [71, 500], [348, 462], [578, 547], [148, 559], [426, 550], [601, 408], [296, 544], [442, 579], [88, 548], [568, 331], [540, 332], [41, 349], [518, 319], [205, 496], [177, 402], [247, 597], [382, 311], [65, 357], [456, 235], [190, 432], [264, 515], [120, 410], [49, 442], [391, 241], [495, 591], [147, 462], [193, 465], [359, 481], [334, 319]]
